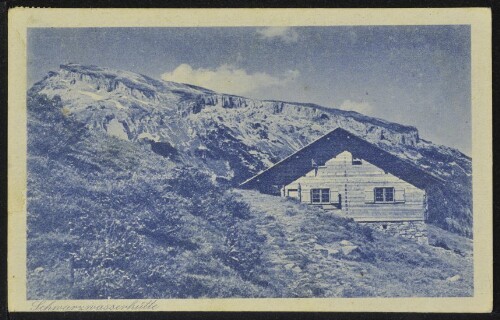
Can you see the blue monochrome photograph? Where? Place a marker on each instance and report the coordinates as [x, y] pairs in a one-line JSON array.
[[249, 162]]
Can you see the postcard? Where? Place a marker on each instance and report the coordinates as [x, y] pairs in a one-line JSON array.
[[250, 160]]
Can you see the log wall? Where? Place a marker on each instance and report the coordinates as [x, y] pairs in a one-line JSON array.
[[354, 186]]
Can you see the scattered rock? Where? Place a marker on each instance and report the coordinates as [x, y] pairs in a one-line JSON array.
[[318, 247], [348, 249], [333, 251], [310, 240], [454, 278], [422, 240], [346, 243], [325, 251], [297, 269]]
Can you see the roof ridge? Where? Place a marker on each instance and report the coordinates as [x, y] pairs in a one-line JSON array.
[[291, 155], [405, 165]]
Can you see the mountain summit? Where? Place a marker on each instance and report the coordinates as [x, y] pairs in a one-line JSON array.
[[232, 138]]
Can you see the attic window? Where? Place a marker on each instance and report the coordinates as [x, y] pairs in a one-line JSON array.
[[356, 162]]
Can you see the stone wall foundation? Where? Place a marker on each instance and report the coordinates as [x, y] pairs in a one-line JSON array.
[[416, 230]]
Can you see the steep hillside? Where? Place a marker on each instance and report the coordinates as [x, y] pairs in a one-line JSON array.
[[109, 218], [231, 138], [333, 256]]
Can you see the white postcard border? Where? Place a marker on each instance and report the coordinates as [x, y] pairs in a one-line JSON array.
[[20, 19]]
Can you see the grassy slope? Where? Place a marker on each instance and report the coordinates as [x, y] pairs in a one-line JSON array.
[[308, 238], [131, 235], [450, 241], [127, 215], [142, 226]]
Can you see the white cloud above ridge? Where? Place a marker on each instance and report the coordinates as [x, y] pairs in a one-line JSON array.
[[358, 106], [229, 78], [286, 34]]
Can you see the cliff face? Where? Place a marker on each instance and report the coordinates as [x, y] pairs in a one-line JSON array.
[[232, 137]]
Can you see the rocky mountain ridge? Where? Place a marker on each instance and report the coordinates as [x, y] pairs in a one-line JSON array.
[[232, 137]]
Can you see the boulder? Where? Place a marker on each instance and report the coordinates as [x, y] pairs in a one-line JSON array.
[[348, 249], [318, 247], [289, 266], [454, 278], [297, 269], [333, 251], [346, 243]]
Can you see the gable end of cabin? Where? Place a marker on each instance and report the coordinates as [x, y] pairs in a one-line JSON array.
[[345, 174]]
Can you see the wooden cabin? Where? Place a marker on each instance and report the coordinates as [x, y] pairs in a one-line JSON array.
[[347, 175]]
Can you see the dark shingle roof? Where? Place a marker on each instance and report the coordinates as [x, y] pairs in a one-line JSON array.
[[329, 146]]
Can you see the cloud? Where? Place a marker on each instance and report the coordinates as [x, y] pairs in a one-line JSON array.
[[229, 79], [285, 34], [358, 106]]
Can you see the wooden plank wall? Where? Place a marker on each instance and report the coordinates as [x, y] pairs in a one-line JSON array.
[[354, 183]]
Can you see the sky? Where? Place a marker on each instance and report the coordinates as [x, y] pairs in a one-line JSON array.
[[412, 75]]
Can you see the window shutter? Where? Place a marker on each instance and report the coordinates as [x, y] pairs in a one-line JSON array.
[[334, 196], [369, 195], [399, 195]]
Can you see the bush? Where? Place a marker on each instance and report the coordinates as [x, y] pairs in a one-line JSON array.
[[440, 243], [124, 221]]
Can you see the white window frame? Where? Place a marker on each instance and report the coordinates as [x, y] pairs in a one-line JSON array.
[[384, 194], [322, 191]]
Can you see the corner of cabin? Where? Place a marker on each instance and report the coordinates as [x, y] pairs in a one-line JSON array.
[[354, 179]]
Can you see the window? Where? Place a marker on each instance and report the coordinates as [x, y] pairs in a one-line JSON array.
[[316, 195], [389, 194], [320, 195], [356, 162], [384, 194], [325, 195]]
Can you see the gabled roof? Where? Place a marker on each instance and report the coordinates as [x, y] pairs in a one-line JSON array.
[[328, 147]]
